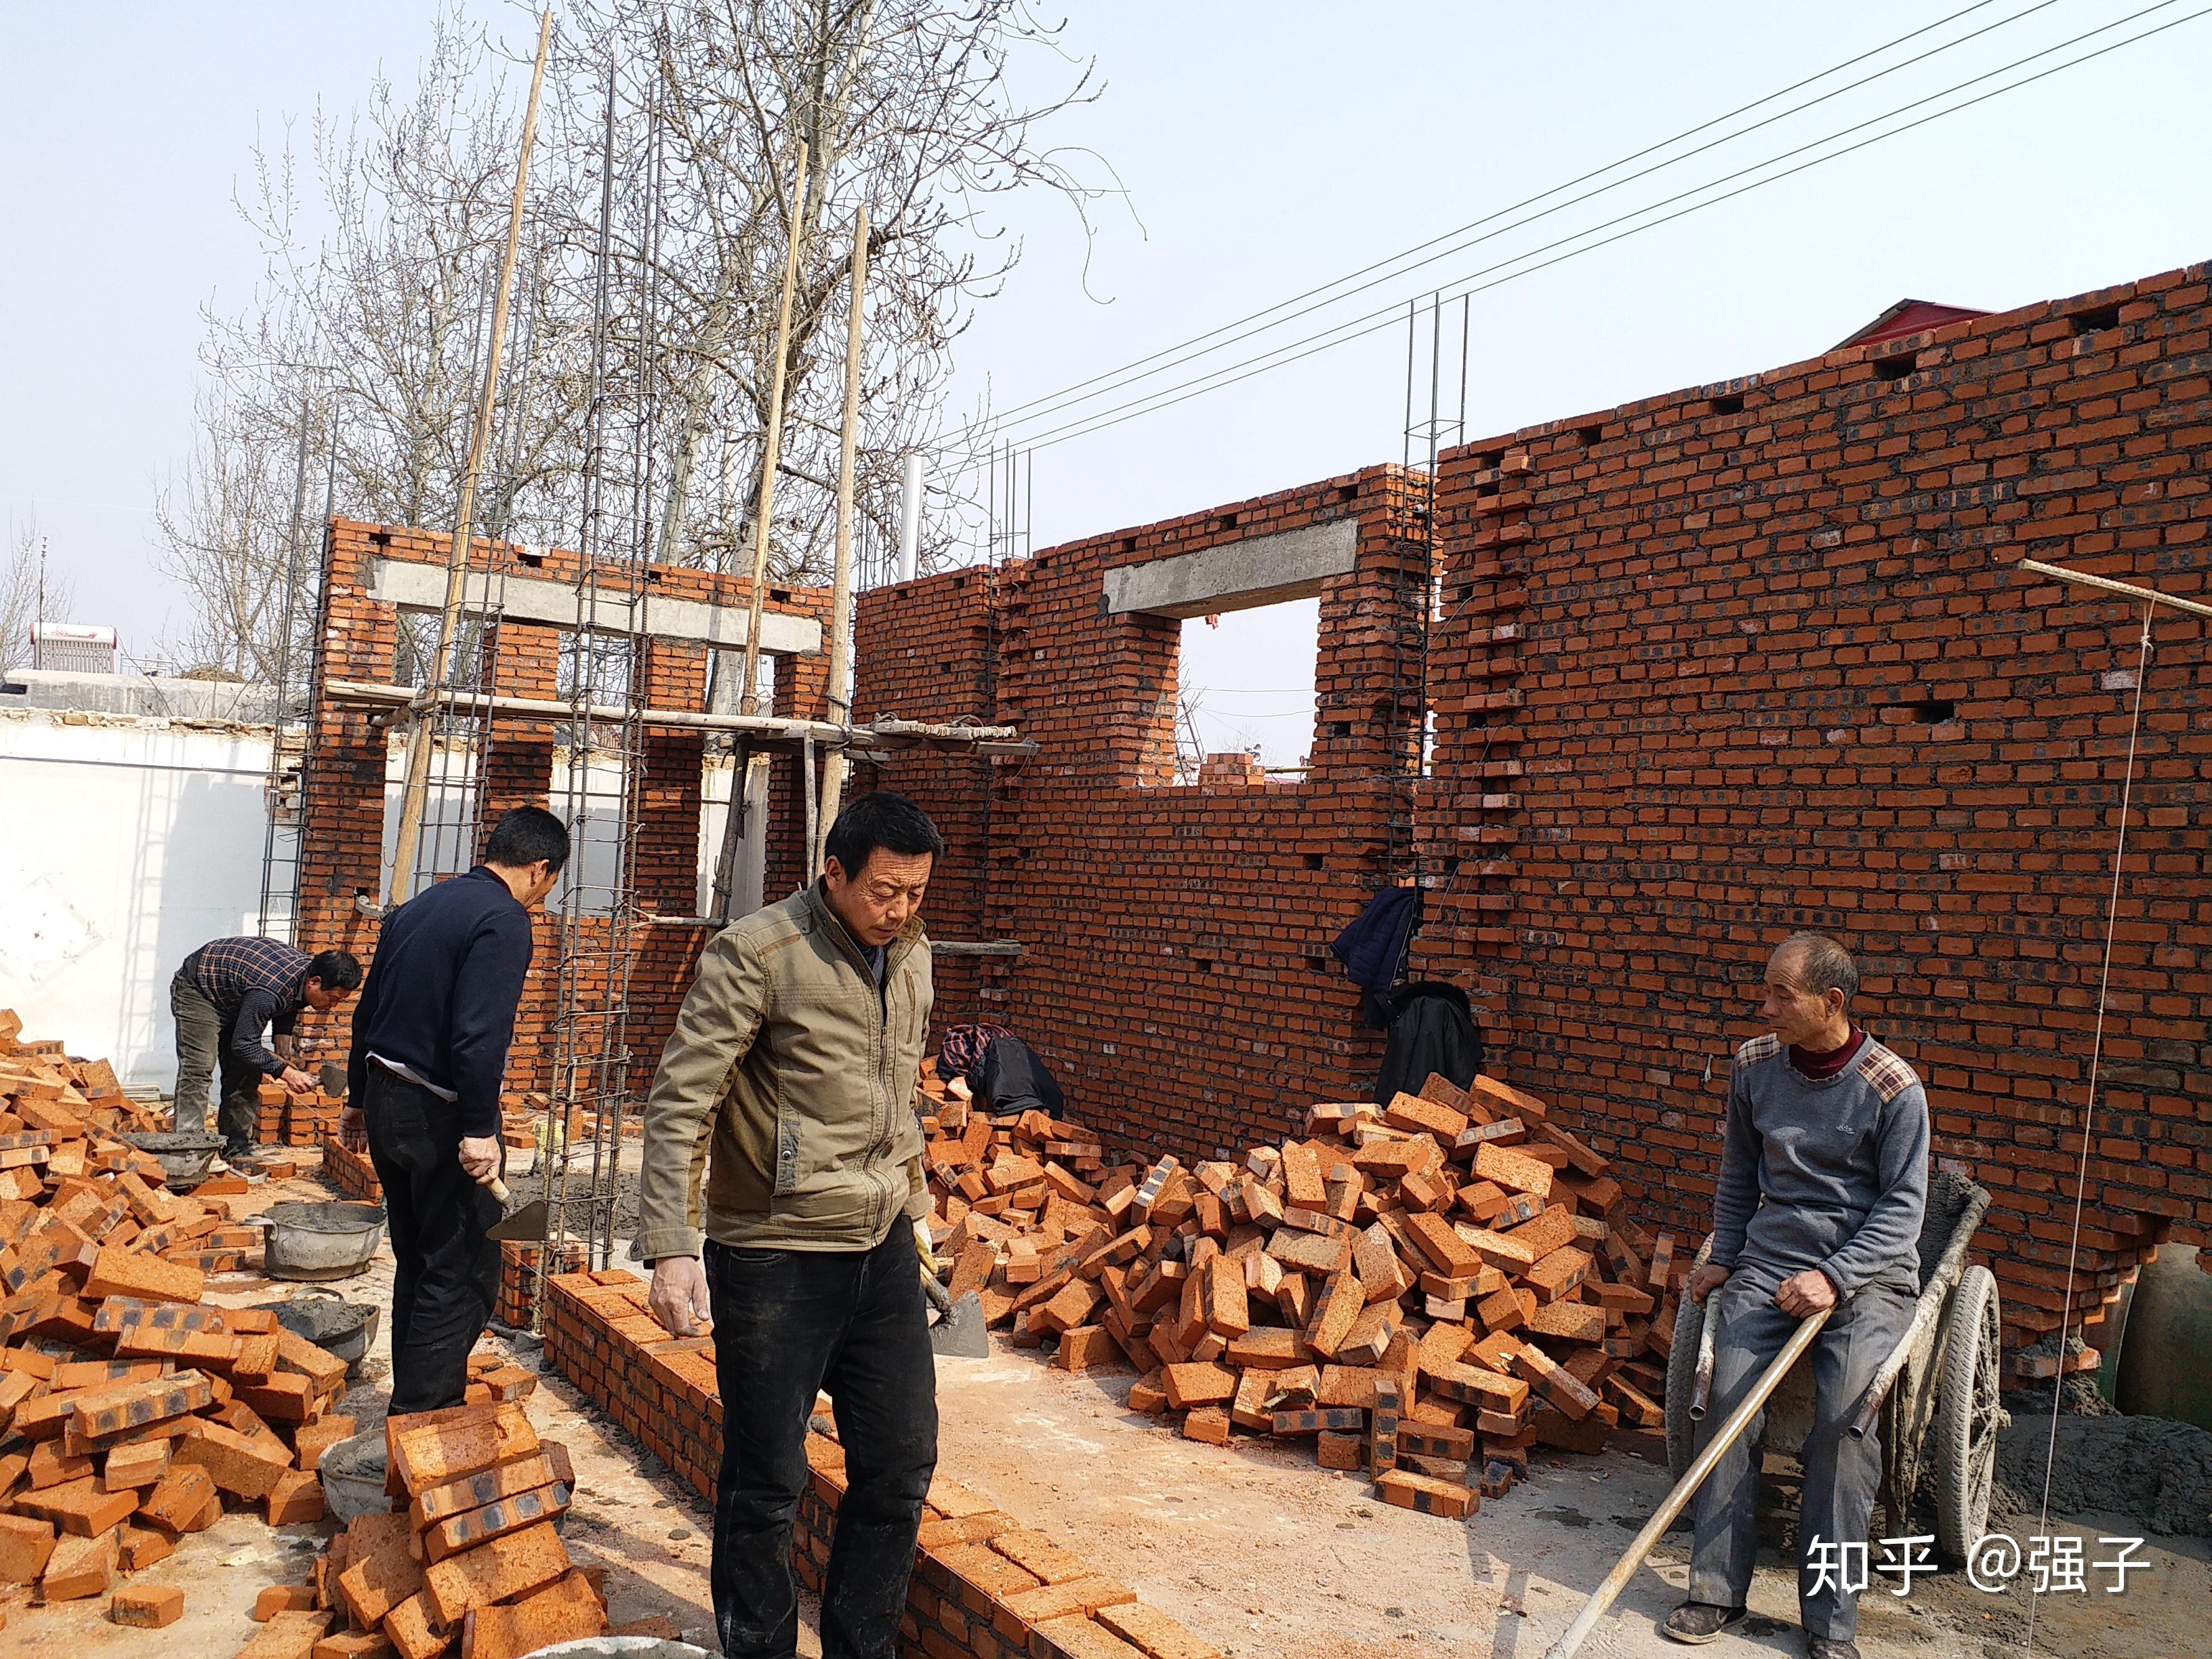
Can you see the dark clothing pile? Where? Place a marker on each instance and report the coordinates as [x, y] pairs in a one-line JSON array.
[[1373, 948], [1431, 1030]]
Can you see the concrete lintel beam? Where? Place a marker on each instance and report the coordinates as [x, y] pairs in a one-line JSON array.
[[1241, 575], [559, 605]]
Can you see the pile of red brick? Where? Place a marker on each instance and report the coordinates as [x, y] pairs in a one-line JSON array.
[[129, 1413], [1425, 1290], [467, 1557]]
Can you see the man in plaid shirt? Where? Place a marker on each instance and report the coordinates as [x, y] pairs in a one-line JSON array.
[[224, 996]]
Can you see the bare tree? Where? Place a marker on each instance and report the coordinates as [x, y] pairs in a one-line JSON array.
[[381, 235], [234, 528], [23, 585], [905, 105]]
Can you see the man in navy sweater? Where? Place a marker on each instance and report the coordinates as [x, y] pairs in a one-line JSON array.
[[429, 1050]]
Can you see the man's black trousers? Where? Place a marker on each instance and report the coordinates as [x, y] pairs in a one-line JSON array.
[[788, 1324], [448, 1279]]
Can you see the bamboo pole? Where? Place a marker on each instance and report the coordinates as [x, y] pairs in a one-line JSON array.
[[2106, 584], [408, 840], [772, 439], [840, 592], [1686, 1487]]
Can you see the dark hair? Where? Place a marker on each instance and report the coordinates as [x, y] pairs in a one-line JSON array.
[[524, 835], [882, 820], [1823, 965], [334, 970]]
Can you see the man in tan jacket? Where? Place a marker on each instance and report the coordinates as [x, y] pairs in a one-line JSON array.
[[794, 1058]]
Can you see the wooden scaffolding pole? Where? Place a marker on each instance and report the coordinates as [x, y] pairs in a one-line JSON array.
[[772, 439], [841, 592], [410, 838]]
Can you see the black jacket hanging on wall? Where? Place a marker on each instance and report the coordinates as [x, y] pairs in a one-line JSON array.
[[1373, 949], [1431, 1030]]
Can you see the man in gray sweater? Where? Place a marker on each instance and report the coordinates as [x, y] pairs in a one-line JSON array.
[[1824, 1178]]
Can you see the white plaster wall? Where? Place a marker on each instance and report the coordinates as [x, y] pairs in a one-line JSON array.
[[124, 844]]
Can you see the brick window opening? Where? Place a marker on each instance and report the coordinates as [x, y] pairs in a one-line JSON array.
[[1590, 436], [2089, 322], [1246, 688], [1731, 403], [1897, 368], [1934, 711]]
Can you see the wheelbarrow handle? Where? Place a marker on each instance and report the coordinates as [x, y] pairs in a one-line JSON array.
[[1701, 1391], [1685, 1489]]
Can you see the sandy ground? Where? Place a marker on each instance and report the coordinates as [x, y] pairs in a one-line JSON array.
[[1256, 1550]]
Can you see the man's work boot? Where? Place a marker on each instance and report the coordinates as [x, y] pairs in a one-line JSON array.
[[1701, 1621], [1820, 1647]]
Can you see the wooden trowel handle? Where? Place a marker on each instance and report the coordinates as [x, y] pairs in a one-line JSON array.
[[498, 1190]]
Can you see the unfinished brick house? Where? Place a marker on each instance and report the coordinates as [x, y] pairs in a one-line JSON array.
[[1702, 670], [1706, 669]]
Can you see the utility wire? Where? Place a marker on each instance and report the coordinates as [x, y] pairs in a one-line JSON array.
[[1040, 407], [1372, 322]]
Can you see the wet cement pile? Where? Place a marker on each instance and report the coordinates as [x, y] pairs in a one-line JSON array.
[[2150, 1468], [584, 1216]]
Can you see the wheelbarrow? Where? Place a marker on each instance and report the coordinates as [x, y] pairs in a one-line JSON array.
[[1934, 1397], [1942, 1376]]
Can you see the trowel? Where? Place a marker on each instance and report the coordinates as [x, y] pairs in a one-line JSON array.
[[959, 1331], [526, 1225]]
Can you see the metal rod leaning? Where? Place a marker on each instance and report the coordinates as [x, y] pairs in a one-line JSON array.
[[1686, 1487]]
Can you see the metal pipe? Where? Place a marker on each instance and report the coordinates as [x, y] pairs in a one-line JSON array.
[[408, 840], [2127, 590], [909, 551], [1686, 1487]]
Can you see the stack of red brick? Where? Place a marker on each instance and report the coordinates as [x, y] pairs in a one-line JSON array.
[[984, 1587], [349, 1172], [282, 1118], [523, 1268], [468, 1558], [129, 1413], [1425, 1289]]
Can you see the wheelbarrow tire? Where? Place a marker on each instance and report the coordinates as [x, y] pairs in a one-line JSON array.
[[1967, 1416], [1681, 1381]]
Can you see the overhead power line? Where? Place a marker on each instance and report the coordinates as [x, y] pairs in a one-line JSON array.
[[1404, 261], [1392, 316]]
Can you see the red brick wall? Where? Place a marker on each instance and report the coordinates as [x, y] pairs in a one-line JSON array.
[[1175, 975], [343, 811], [1690, 683], [1768, 669]]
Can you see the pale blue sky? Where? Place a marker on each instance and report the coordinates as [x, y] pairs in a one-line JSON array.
[[1265, 147]]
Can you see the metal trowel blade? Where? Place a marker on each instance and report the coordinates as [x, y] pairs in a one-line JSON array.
[[526, 1224], [960, 1332]]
